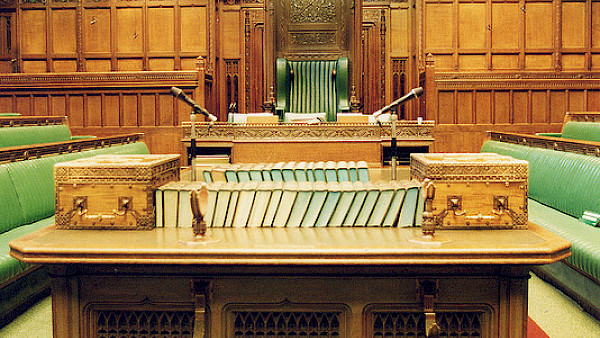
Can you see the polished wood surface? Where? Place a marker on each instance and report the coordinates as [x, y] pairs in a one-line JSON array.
[[308, 151], [293, 246], [353, 274]]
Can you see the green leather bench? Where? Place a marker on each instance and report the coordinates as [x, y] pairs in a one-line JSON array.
[[576, 130], [26, 130], [27, 204], [562, 186], [312, 87]]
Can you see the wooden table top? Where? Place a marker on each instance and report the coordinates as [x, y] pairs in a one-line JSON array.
[[292, 246]]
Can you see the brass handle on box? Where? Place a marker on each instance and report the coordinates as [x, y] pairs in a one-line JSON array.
[[455, 203], [79, 207], [480, 217]]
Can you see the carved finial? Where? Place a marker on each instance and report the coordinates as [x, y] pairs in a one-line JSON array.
[[200, 63], [428, 226], [269, 104], [198, 199], [429, 59], [354, 102]]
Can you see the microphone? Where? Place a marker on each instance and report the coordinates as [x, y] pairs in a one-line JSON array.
[[415, 92], [178, 93]]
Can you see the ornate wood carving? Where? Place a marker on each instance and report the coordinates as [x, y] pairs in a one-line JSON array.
[[305, 28], [399, 82], [521, 80], [232, 85], [95, 80], [406, 130]]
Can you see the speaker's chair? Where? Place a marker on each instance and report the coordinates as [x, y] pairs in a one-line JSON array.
[[312, 87]]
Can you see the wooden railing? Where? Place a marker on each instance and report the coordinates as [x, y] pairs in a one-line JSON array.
[[547, 142], [32, 151]]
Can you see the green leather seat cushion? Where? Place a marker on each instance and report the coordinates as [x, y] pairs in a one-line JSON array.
[[313, 88], [585, 239], [9, 266], [18, 136], [11, 213]]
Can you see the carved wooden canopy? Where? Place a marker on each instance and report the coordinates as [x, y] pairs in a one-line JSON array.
[[313, 29]]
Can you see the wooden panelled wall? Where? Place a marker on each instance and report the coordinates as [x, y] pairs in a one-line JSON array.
[[508, 65], [514, 65]]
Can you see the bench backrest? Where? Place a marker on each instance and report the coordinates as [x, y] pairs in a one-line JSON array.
[[25, 135], [586, 131], [564, 181], [27, 187]]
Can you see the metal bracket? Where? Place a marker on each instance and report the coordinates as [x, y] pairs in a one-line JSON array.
[[200, 292], [428, 291], [454, 203]]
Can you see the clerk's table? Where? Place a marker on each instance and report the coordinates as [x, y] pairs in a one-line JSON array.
[[247, 282]]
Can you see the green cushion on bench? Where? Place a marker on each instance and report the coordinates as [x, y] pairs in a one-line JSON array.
[[587, 131], [34, 183], [562, 180], [585, 239], [9, 266], [18, 136], [11, 213]]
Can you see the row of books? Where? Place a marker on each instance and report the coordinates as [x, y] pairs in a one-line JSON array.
[[294, 204], [329, 171]]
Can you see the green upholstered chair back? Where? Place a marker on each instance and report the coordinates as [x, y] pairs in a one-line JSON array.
[[312, 87]]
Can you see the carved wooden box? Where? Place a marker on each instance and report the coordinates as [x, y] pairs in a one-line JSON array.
[[111, 191], [470, 191]]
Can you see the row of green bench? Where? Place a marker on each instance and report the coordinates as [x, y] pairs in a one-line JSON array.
[[563, 185], [27, 199]]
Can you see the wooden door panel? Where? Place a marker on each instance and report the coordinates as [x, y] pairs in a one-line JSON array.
[[573, 29], [63, 32], [33, 34], [538, 25], [439, 26], [129, 30]]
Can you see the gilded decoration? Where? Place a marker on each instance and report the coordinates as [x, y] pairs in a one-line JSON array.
[[466, 168], [312, 11]]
